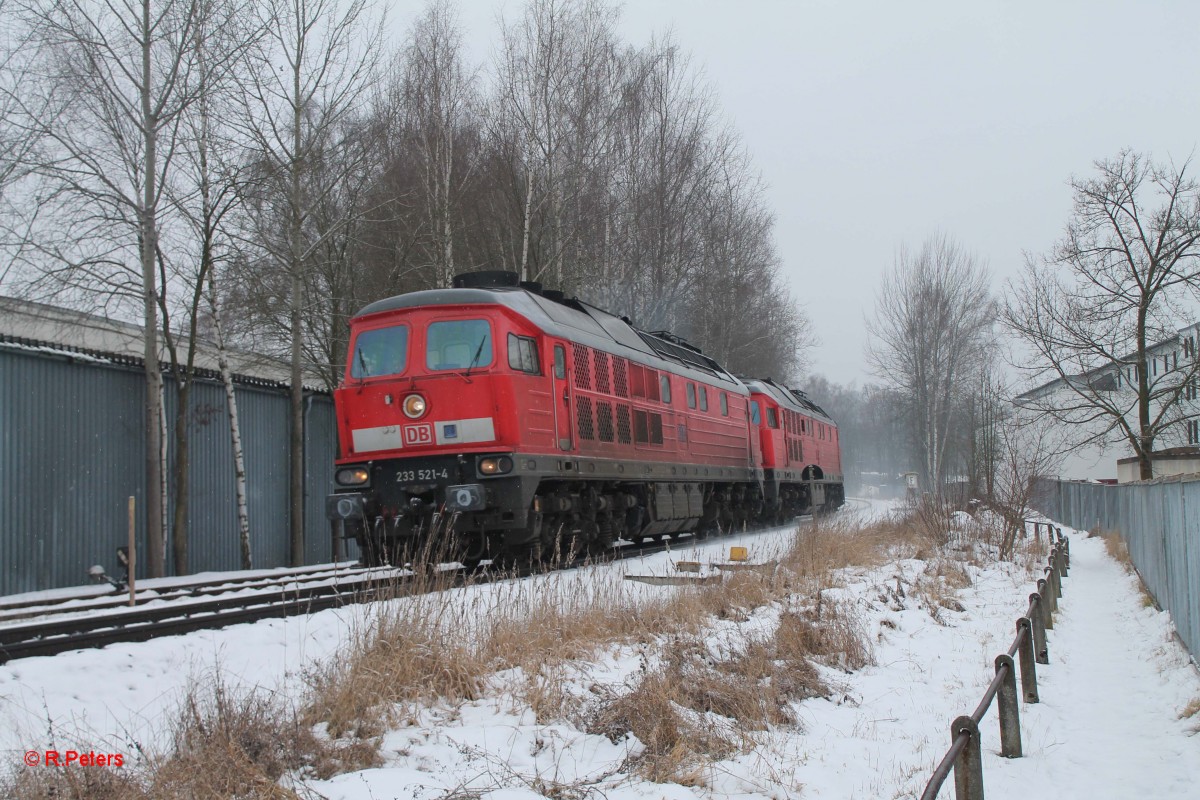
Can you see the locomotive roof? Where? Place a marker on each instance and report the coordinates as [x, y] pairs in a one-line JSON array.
[[571, 319], [793, 399]]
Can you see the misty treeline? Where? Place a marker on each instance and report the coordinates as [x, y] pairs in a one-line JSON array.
[[943, 406], [1093, 344], [250, 173]]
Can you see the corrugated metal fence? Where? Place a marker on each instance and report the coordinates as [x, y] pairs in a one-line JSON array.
[[71, 448], [1160, 521]]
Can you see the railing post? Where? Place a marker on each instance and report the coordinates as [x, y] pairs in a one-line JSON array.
[[1067, 552], [968, 769], [1037, 618], [1046, 595], [1056, 575], [1010, 712], [1052, 586], [1026, 651]]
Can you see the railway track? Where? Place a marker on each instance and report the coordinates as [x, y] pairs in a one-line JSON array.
[[109, 598], [199, 606]]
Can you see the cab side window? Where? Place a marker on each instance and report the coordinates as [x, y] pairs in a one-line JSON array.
[[691, 395], [522, 354], [665, 388], [704, 398], [755, 416], [560, 362], [724, 405], [772, 418]]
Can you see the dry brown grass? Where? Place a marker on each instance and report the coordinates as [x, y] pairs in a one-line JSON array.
[[407, 655], [832, 633], [1191, 709], [698, 706], [73, 783], [412, 655], [1115, 546], [223, 744], [228, 744]]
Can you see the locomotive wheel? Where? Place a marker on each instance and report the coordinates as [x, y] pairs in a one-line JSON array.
[[605, 536], [473, 552], [370, 545], [522, 556]]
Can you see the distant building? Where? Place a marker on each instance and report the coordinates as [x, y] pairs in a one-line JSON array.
[[1170, 362], [1169, 462]]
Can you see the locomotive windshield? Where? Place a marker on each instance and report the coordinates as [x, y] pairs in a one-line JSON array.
[[382, 351], [458, 344]]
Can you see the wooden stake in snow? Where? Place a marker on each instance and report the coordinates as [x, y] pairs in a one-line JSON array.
[[132, 546]]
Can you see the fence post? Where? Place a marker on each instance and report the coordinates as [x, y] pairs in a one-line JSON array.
[[1037, 619], [1045, 595], [1052, 583], [1028, 656], [1055, 576], [968, 768], [1067, 552], [1010, 713]]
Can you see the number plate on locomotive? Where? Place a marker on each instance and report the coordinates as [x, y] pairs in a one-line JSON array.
[[414, 475]]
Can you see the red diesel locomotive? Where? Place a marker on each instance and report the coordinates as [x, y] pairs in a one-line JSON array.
[[496, 420]]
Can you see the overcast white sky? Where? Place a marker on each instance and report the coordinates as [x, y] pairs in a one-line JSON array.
[[879, 123]]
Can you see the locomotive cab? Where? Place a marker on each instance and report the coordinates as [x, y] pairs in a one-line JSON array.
[[802, 471], [428, 425]]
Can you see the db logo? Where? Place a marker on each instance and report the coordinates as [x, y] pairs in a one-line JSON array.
[[418, 434]]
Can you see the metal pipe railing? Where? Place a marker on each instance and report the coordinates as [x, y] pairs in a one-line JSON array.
[[965, 756]]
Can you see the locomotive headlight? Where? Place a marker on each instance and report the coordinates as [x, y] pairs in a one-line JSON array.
[[414, 406], [353, 476], [495, 466]]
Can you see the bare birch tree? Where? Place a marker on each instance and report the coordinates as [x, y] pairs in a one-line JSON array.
[[930, 332], [317, 64], [204, 196], [1119, 282], [434, 102]]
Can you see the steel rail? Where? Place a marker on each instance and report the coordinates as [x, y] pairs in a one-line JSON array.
[[211, 588], [287, 572]]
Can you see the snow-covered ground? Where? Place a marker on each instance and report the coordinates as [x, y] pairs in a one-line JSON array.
[[1108, 725]]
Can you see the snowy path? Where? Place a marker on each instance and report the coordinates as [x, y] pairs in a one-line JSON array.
[[1108, 725]]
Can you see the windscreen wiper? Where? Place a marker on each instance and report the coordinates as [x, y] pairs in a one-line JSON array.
[[362, 362], [478, 353]]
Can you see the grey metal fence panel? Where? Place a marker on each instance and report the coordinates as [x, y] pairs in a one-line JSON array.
[[265, 424], [71, 450], [321, 449], [1179, 565], [70, 456], [1160, 523]]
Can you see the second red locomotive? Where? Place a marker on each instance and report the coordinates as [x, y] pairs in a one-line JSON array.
[[496, 420]]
